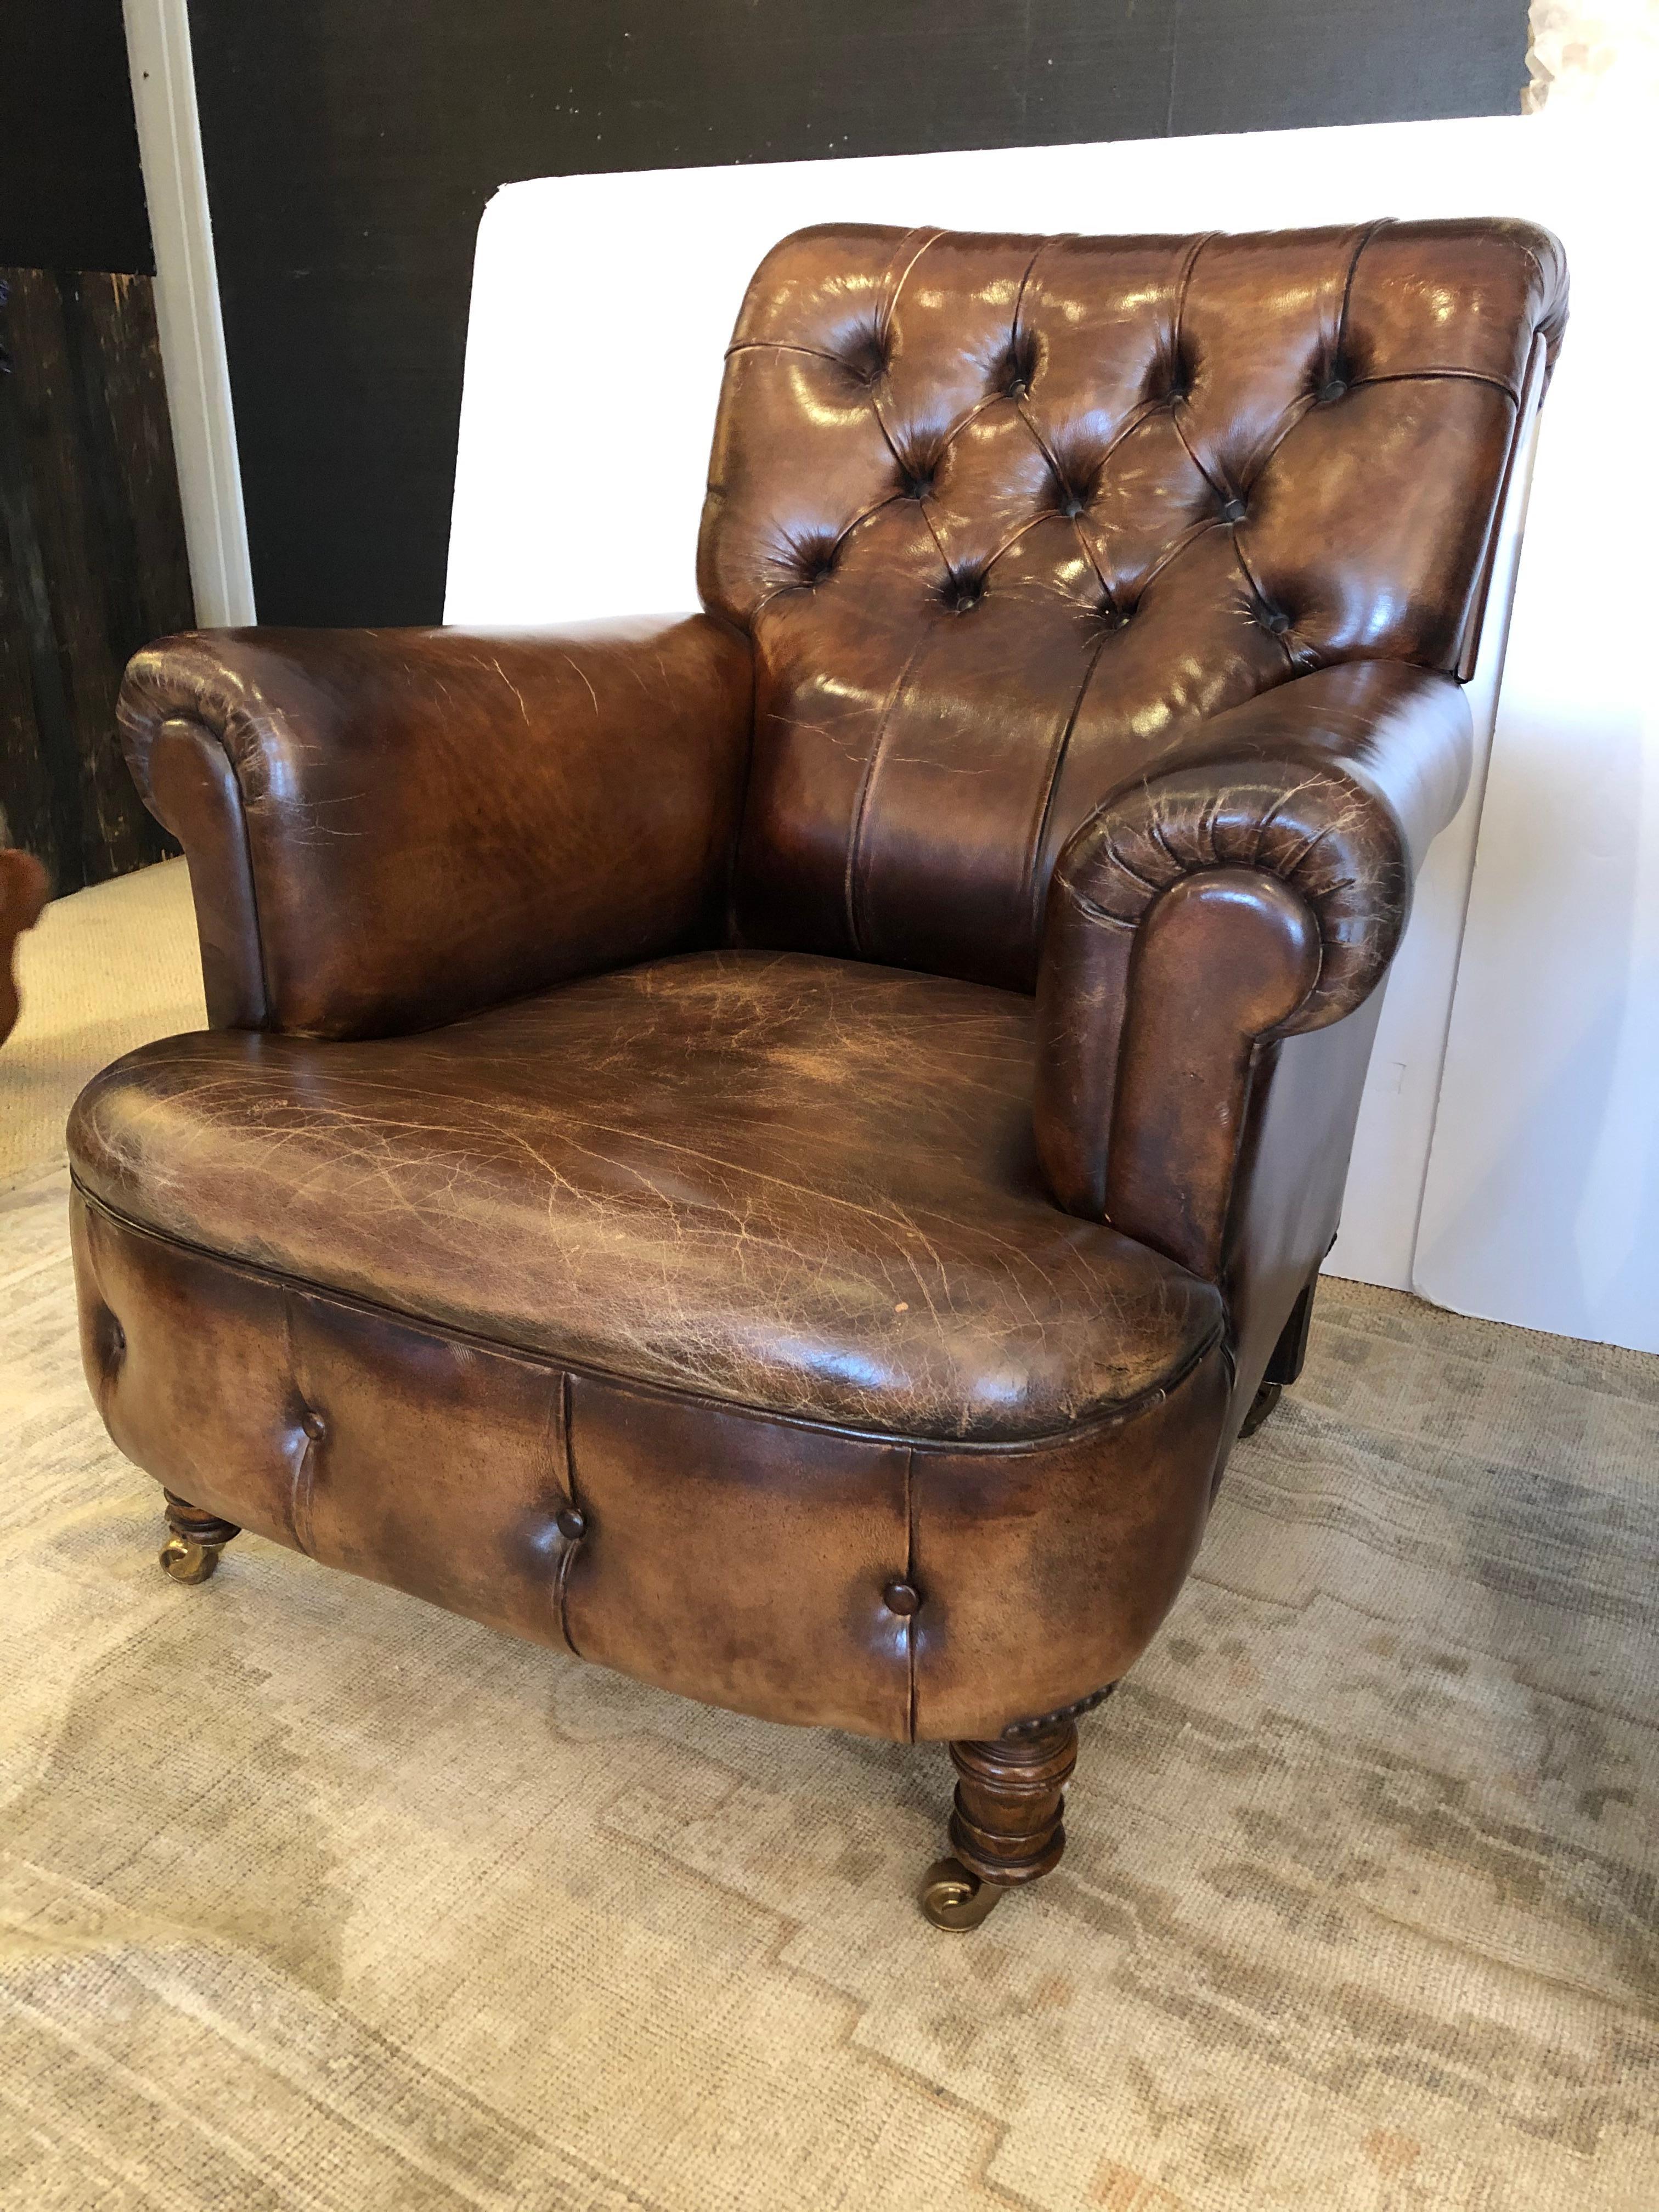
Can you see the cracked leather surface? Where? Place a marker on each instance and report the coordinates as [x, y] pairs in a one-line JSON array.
[[804, 1184], [388, 828]]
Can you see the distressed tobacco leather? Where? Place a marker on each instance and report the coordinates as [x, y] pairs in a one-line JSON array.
[[388, 828], [777, 1150], [570, 1172]]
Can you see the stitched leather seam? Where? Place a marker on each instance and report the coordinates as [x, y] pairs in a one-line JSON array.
[[567, 1545], [1187, 447], [1152, 888], [938, 543], [1013, 539], [783, 345], [1251, 471], [890, 307], [1131, 422], [1368, 231], [1194, 533], [1280, 638], [1088, 552], [1043, 244], [1114, 1417], [851, 894], [1436, 376], [1035, 886], [910, 1578], [304, 1477], [1183, 287], [1087, 907]]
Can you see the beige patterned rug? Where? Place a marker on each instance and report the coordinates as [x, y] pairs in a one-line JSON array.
[[312, 1897]]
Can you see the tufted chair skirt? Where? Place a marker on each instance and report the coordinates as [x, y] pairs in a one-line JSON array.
[[1007, 518]]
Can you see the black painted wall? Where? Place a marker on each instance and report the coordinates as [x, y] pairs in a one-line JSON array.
[[351, 146], [71, 193]]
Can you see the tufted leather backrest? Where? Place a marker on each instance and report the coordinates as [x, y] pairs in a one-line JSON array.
[[1005, 518]]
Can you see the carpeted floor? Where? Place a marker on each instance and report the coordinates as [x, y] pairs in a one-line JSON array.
[[102, 971], [311, 1897], [313, 1900]]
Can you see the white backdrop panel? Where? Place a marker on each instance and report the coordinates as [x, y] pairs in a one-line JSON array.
[[601, 308], [1542, 1197]]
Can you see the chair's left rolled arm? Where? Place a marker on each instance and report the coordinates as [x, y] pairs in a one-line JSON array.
[[1253, 889], [389, 829]]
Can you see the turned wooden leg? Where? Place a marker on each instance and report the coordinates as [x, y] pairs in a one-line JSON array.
[[1006, 1828], [192, 1552]]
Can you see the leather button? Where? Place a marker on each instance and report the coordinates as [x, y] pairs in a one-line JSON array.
[[1275, 622], [571, 1523], [865, 358], [1232, 510], [314, 1426], [902, 1598], [1334, 389]]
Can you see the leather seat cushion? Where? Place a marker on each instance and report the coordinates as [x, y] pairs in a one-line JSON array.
[[796, 1183]]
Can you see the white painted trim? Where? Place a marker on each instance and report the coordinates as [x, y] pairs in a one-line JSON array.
[[187, 310]]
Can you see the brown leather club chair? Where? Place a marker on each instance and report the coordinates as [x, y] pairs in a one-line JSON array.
[[777, 1150]]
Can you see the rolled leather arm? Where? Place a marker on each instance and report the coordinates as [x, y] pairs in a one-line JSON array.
[[388, 828], [1256, 887]]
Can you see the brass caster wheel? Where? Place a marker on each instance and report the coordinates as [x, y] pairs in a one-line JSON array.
[[953, 1898], [1261, 1406], [187, 1561]]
